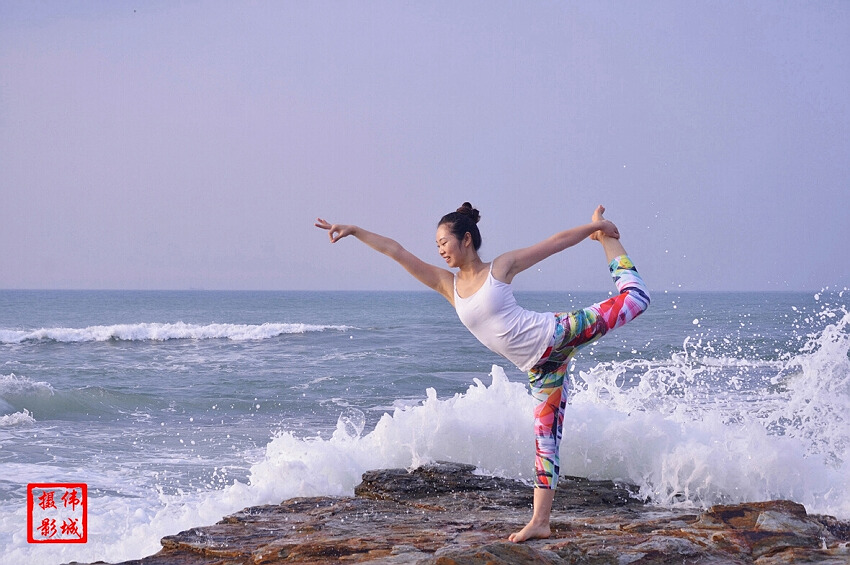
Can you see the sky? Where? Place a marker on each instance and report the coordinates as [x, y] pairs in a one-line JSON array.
[[191, 145]]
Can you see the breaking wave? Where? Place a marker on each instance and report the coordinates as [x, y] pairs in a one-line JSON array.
[[163, 332]]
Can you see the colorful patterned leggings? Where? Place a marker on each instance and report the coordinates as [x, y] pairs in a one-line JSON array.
[[573, 331]]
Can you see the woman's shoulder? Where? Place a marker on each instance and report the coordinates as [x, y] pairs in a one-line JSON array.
[[500, 268]]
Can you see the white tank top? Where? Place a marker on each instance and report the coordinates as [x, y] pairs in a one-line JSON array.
[[494, 317]]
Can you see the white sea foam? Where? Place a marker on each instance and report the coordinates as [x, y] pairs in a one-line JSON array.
[[682, 442], [13, 384], [679, 445], [16, 419], [162, 332]]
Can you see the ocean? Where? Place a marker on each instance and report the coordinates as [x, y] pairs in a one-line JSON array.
[[178, 408]]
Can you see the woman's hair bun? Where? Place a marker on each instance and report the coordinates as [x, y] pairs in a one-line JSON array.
[[467, 210]]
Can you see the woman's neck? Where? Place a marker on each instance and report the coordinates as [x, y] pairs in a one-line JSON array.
[[471, 268]]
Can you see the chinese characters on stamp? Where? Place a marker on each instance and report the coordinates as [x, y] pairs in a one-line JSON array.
[[57, 513]]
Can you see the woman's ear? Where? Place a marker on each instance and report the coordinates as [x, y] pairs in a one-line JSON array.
[[467, 239]]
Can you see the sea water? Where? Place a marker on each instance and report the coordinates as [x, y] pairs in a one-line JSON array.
[[178, 408]]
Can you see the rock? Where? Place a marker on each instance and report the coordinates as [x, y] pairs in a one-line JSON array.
[[445, 514]]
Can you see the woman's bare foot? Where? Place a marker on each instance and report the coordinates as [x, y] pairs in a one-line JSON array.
[[531, 530], [538, 526], [597, 215]]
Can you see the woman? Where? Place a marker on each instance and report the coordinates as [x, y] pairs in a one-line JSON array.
[[541, 344]]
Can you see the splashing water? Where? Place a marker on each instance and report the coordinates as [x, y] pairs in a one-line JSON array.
[[700, 429]]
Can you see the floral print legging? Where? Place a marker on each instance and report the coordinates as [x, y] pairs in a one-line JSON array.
[[573, 331]]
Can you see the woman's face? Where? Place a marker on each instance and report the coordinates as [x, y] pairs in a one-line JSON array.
[[450, 247]]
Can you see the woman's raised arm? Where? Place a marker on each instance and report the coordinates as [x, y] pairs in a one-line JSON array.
[[441, 280], [508, 265]]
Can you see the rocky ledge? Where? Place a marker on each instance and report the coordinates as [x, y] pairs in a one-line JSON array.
[[446, 514]]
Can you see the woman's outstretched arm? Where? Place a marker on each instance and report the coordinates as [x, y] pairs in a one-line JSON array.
[[441, 280], [508, 265]]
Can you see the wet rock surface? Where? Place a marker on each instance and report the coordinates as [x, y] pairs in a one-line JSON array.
[[445, 514]]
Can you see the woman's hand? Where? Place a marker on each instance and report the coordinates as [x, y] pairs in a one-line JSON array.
[[607, 229], [335, 231]]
